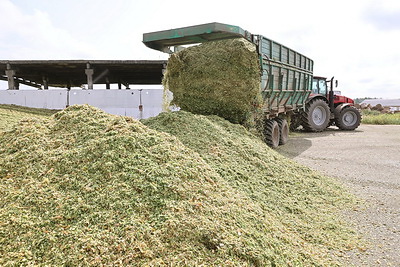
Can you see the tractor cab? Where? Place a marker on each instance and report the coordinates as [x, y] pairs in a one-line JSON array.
[[324, 87], [319, 86]]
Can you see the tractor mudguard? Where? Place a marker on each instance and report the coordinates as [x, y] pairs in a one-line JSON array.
[[339, 108]]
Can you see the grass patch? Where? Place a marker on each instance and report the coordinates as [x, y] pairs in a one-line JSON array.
[[375, 117], [87, 188]]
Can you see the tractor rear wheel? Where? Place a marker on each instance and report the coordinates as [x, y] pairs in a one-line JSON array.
[[271, 133], [283, 131], [348, 119], [316, 116], [295, 122]]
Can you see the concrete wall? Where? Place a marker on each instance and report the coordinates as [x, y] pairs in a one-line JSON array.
[[50, 99], [137, 103]]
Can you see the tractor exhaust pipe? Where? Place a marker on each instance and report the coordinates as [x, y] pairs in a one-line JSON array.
[[331, 97]]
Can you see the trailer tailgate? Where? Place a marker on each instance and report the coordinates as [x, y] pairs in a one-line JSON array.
[[162, 40]]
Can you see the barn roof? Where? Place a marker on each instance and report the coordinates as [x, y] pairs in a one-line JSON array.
[[383, 102], [71, 73]]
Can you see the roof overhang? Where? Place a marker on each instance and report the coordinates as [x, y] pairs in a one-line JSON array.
[[72, 73]]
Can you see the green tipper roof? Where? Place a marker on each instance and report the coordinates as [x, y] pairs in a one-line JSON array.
[[162, 40]]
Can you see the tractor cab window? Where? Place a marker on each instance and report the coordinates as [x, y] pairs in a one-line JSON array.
[[319, 87]]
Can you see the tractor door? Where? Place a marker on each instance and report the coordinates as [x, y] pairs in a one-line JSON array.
[[319, 86]]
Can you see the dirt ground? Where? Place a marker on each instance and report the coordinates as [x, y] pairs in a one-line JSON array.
[[368, 162]]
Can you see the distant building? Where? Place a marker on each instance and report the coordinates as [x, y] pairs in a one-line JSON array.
[[392, 104]]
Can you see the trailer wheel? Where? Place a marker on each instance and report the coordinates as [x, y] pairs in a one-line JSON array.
[[271, 133], [316, 116], [283, 131], [348, 119]]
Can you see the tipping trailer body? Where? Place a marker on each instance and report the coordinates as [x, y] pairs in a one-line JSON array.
[[285, 75]]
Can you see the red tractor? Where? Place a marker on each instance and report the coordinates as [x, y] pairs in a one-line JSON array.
[[325, 108]]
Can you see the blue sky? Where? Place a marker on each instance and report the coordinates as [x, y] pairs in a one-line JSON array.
[[356, 41]]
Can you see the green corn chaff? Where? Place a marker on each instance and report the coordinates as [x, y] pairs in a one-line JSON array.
[[88, 188]]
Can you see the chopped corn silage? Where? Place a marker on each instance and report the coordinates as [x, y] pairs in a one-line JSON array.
[[11, 114], [304, 203], [88, 188], [216, 78]]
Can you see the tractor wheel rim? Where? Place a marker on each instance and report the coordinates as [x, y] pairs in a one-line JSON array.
[[349, 118], [319, 116]]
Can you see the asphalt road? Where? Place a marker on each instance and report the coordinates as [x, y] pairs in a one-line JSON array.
[[368, 162]]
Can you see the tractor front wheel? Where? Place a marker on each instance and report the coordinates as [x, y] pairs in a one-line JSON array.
[[348, 119]]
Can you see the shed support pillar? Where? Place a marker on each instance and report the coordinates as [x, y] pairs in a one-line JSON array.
[[107, 83], [89, 73], [11, 81], [45, 82]]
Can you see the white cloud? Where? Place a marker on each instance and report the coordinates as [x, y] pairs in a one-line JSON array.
[[33, 36], [357, 41]]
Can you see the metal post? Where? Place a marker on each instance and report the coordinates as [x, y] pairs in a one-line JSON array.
[[140, 105]]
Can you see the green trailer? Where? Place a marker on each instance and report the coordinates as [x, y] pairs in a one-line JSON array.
[[286, 75]]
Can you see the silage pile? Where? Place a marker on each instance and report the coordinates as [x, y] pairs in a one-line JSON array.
[[11, 114], [219, 78], [88, 188], [302, 204]]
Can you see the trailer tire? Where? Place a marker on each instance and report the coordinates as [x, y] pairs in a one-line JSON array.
[[349, 118], [271, 133], [283, 131], [316, 116]]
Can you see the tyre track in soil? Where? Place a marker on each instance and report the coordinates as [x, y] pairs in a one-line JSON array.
[[367, 160]]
